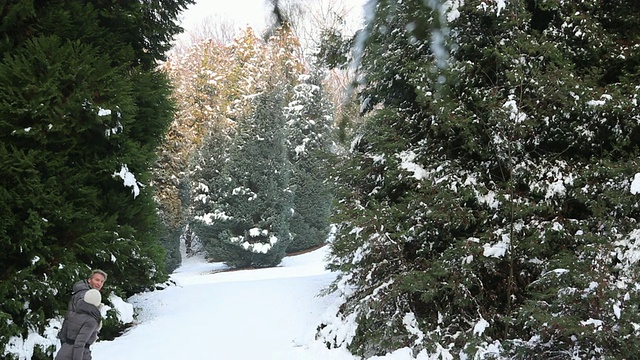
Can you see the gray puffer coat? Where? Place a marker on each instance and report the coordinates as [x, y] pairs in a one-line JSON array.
[[80, 332], [79, 289]]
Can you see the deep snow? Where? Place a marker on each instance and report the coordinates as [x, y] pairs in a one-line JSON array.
[[256, 314]]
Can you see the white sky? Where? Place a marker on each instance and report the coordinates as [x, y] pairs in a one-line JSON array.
[[244, 12], [254, 13]]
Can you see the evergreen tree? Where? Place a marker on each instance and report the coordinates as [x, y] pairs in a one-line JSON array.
[[309, 128], [204, 90], [211, 186], [248, 222], [489, 201], [243, 87], [81, 111], [209, 79]]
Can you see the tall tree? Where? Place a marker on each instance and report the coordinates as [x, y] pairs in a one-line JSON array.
[[210, 80], [248, 222], [82, 108], [490, 202], [248, 93], [194, 74], [309, 123]]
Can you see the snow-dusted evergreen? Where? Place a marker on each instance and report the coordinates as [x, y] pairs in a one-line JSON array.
[[259, 179], [247, 223], [489, 207], [309, 124], [82, 108]]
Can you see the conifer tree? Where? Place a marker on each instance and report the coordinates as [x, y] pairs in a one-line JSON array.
[[490, 201], [208, 79], [247, 94], [81, 111], [211, 185], [248, 219], [309, 132]]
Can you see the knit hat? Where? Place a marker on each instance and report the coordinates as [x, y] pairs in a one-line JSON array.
[[93, 297]]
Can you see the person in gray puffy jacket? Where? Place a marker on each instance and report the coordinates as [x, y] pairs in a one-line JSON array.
[[95, 281], [82, 326]]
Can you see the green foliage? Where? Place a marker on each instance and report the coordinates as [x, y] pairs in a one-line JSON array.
[[81, 101], [211, 187], [170, 241], [210, 81], [309, 137], [247, 223], [265, 134], [488, 196]]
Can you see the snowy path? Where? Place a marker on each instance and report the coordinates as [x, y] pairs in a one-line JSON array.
[[265, 314]]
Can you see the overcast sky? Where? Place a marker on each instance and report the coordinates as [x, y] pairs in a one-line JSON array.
[[243, 12]]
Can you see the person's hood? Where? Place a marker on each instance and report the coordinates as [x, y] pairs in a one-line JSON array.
[[81, 286]]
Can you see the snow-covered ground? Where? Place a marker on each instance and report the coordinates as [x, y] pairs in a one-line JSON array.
[[258, 314]]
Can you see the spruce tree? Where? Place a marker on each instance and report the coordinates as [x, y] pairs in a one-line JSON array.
[[489, 201], [211, 185], [309, 133], [81, 111], [243, 88], [247, 223]]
